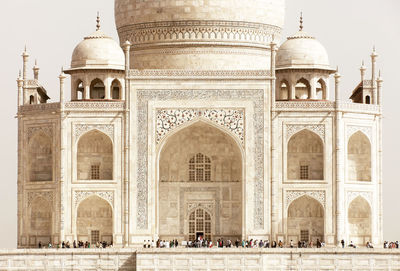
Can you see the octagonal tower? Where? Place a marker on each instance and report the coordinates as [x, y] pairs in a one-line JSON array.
[[200, 34]]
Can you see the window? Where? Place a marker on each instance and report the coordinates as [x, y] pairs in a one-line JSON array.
[[95, 172], [367, 99], [200, 168], [31, 99], [303, 172], [199, 222], [95, 237], [97, 89], [304, 235], [115, 90]]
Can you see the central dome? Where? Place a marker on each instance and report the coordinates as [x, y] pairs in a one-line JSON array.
[[199, 34]]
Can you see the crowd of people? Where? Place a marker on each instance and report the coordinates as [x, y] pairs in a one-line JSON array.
[[387, 244], [75, 244]]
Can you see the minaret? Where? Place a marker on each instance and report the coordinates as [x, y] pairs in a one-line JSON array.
[[374, 55], [25, 57], [379, 82], [36, 71], [362, 70]]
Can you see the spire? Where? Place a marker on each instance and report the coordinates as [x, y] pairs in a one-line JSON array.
[[301, 21], [36, 71], [98, 22], [362, 70]]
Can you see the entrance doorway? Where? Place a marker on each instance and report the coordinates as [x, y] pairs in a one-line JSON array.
[[199, 225]]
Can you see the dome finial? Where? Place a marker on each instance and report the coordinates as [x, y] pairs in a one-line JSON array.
[[98, 21], [301, 21]]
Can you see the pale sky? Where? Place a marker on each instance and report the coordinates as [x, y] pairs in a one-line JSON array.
[[52, 28]]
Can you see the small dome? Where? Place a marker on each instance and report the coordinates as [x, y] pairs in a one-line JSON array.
[[302, 51], [98, 51]]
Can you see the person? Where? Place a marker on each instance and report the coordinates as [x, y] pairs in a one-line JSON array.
[[318, 243], [267, 244], [176, 243], [63, 244], [342, 242], [291, 243], [352, 245], [280, 244], [40, 244], [49, 245], [74, 244]]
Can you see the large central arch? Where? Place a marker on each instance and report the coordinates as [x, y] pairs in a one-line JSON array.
[[200, 166]]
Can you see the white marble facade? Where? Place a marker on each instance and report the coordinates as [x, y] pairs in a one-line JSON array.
[[199, 124]]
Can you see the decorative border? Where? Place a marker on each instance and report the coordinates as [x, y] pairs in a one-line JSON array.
[[48, 130], [352, 129], [199, 73], [47, 195], [81, 195], [292, 195], [367, 195], [229, 118], [292, 129], [95, 105], [144, 96], [208, 206], [80, 129]]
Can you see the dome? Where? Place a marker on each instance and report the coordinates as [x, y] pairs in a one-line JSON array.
[[186, 34], [302, 51], [98, 51]]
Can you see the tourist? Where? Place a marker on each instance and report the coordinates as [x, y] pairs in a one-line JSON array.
[[352, 245], [40, 245], [49, 245], [342, 242], [291, 243], [318, 243]]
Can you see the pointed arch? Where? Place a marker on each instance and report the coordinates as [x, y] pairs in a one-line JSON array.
[[305, 156], [79, 89], [40, 218], [94, 156], [305, 220], [284, 88], [303, 89], [40, 157], [359, 157], [116, 89], [359, 220], [94, 222], [200, 224], [321, 89], [97, 89]]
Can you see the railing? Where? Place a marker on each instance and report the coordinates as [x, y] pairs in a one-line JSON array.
[[39, 107], [326, 106], [95, 106]]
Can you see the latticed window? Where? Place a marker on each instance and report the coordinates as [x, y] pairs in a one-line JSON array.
[[95, 237], [200, 168], [95, 172], [304, 173], [199, 223], [304, 235]]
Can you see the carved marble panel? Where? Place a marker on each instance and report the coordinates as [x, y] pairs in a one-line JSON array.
[[47, 129], [292, 129], [292, 195], [351, 195], [231, 119], [80, 129], [79, 196], [351, 129], [143, 98], [47, 195]]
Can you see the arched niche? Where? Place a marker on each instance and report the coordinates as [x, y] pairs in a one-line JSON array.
[[321, 90], [302, 89], [40, 158], [305, 220], [221, 157], [359, 157], [95, 156], [116, 89], [200, 224], [359, 221], [79, 91], [94, 222], [97, 89], [305, 156], [40, 218], [284, 89]]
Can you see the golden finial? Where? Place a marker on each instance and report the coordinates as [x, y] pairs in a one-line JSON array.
[[301, 21], [98, 22]]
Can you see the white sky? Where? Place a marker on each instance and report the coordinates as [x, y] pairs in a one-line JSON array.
[[52, 28]]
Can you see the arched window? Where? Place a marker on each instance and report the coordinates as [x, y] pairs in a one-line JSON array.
[[94, 221], [305, 159], [199, 225], [359, 158], [303, 89], [284, 90], [321, 90], [95, 157], [97, 89], [116, 90], [40, 158], [367, 99], [31, 99], [200, 168], [79, 90], [359, 217]]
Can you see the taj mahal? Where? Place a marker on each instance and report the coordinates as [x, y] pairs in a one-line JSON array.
[[202, 120]]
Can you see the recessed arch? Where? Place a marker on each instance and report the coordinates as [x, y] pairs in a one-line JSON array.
[[94, 220], [284, 89], [224, 185], [305, 156], [40, 219], [359, 157], [97, 89], [200, 224], [94, 156], [116, 89], [368, 99], [79, 89], [359, 221], [40, 157], [305, 220], [302, 89], [321, 89]]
